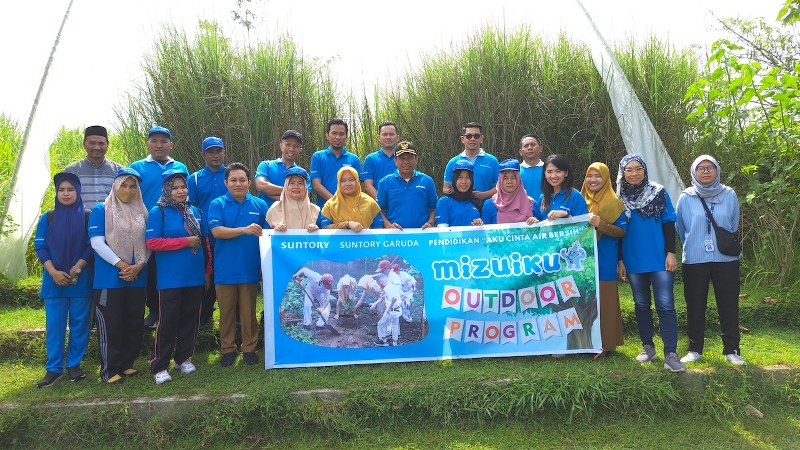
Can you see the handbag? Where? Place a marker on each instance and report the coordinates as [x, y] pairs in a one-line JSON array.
[[727, 241]]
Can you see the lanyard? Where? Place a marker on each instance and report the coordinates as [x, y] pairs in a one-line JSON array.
[[708, 221]]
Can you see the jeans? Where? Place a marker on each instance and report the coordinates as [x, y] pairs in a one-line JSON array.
[[662, 283]]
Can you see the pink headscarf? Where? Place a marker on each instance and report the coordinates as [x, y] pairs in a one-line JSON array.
[[513, 207]]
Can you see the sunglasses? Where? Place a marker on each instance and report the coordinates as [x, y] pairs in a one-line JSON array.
[[473, 136]]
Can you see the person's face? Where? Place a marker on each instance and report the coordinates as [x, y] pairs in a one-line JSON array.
[[463, 182], [67, 195], [472, 139], [348, 183], [128, 190], [509, 181], [238, 183], [706, 172], [291, 148], [179, 190], [530, 150], [214, 157], [159, 146], [594, 181], [388, 136], [554, 175], [296, 188], [336, 136], [96, 147], [406, 164], [633, 173]]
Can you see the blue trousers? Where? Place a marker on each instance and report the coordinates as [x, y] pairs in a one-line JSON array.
[[58, 312], [664, 298]]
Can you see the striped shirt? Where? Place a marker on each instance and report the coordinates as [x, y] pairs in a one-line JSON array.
[[694, 228], [96, 181]]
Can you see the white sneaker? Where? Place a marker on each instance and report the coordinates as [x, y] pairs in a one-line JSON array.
[[186, 367], [162, 377], [691, 357], [735, 359]]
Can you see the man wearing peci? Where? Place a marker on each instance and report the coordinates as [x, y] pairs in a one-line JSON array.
[[95, 171]]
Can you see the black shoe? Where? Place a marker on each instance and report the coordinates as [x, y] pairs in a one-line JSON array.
[[49, 379], [381, 342], [227, 359], [76, 373], [250, 358], [151, 320], [131, 373]]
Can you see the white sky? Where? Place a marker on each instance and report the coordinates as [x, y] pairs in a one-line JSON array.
[[99, 57]]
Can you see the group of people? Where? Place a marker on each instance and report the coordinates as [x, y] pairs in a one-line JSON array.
[[203, 229]]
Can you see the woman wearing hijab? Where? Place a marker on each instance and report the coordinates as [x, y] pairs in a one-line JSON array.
[[702, 261], [349, 208], [64, 251], [175, 235], [510, 204], [117, 233], [294, 210], [460, 207], [648, 257], [607, 215]]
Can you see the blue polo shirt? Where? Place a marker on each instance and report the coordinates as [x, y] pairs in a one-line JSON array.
[[237, 260], [532, 178], [608, 251], [489, 211], [175, 268], [407, 203], [451, 212], [377, 165], [51, 290], [151, 170], [106, 276], [643, 245], [325, 165], [275, 172], [575, 204], [206, 185], [485, 170]]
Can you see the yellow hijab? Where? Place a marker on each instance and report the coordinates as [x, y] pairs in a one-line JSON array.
[[358, 207], [604, 202]]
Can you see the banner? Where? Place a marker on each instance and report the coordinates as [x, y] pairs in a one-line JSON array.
[[338, 297]]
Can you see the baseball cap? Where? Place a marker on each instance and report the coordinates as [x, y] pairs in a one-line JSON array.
[[463, 164], [292, 134], [297, 170], [405, 147], [171, 172], [384, 264], [128, 171], [509, 164], [210, 142], [159, 130]]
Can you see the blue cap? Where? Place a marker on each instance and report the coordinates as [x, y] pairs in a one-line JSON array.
[[211, 142], [171, 172], [463, 164], [509, 164], [297, 170], [128, 171], [159, 130]]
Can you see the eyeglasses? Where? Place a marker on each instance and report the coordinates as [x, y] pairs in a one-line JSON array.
[[706, 169], [639, 169], [473, 136]]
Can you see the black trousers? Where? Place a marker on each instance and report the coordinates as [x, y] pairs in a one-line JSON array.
[[152, 292], [118, 316], [207, 304], [179, 320], [725, 278]]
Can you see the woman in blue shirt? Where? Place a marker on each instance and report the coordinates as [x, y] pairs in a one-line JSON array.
[[648, 257], [559, 199], [460, 207], [64, 251], [703, 262]]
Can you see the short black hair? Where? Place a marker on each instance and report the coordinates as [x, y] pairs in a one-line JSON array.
[[333, 122], [389, 124], [562, 163], [471, 125], [530, 135], [236, 166]]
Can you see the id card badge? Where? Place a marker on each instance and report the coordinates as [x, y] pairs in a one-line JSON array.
[[709, 245]]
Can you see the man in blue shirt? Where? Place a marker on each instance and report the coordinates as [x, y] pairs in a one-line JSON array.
[[270, 175], [380, 163], [407, 198], [325, 164], [532, 166], [486, 167], [204, 186], [159, 144]]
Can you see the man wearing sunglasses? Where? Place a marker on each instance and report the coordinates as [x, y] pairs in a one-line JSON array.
[[486, 167]]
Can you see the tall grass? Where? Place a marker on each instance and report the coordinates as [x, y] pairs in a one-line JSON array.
[[10, 140]]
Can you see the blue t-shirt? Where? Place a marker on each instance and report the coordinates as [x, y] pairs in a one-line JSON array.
[[376, 166], [608, 251], [485, 170], [643, 245], [151, 170], [106, 276], [325, 166], [454, 213], [237, 260], [275, 172], [175, 268], [532, 178], [407, 204], [489, 211], [51, 290], [575, 204], [206, 185]]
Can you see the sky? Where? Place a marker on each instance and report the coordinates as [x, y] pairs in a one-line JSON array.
[[99, 57]]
